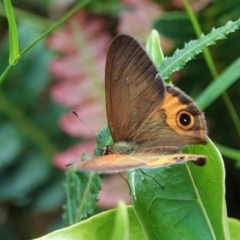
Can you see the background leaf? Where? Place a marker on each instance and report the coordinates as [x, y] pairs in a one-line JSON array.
[[102, 226], [229, 152], [220, 85], [168, 25]]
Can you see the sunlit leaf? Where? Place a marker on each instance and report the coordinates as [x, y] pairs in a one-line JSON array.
[[105, 226], [234, 228], [191, 205]]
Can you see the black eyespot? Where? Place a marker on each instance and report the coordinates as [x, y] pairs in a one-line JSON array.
[[185, 119]]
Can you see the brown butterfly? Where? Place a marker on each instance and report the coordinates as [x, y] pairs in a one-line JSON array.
[[149, 121]]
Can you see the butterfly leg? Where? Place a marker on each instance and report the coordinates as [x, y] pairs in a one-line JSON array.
[[130, 192], [152, 178]]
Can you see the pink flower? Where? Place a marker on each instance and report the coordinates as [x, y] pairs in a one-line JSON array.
[[92, 113], [138, 19], [79, 77], [114, 188]]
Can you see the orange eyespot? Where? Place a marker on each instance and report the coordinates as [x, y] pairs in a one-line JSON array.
[[185, 120]]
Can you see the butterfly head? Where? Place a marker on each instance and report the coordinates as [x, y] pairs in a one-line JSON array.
[[121, 147]]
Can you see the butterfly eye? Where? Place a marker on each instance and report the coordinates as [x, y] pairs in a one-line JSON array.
[[185, 120], [105, 151]]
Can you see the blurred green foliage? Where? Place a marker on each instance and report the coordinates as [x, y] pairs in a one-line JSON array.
[[29, 135]]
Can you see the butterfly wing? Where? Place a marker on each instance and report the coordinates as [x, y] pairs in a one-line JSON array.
[[132, 88], [163, 160], [176, 121], [111, 163], [120, 163], [141, 108]]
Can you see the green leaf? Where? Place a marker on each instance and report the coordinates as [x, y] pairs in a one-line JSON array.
[[154, 49], [234, 227], [13, 34], [221, 84], [105, 225], [82, 187], [191, 49], [121, 225], [198, 31], [103, 139], [191, 205], [82, 194]]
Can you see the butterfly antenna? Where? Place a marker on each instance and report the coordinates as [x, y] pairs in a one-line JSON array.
[[84, 123], [152, 178], [72, 163], [130, 192], [82, 159]]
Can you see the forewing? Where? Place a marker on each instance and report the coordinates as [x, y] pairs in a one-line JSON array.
[[132, 89]]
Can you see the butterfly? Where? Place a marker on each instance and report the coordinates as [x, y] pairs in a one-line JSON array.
[[149, 121]]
